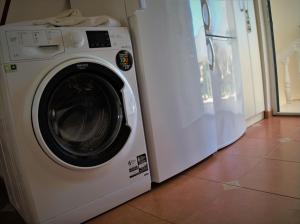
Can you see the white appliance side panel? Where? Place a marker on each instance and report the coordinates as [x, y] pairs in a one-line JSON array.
[[133, 5], [250, 60], [245, 60], [256, 61], [180, 126], [221, 18], [228, 91]]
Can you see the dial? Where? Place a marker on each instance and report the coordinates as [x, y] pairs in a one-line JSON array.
[[76, 39]]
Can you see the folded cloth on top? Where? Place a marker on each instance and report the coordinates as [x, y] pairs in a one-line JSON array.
[[73, 17]]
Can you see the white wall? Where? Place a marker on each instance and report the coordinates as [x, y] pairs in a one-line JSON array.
[[250, 61], [21, 10], [2, 2], [286, 22], [113, 8]]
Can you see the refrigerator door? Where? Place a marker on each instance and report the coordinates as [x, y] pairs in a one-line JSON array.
[[227, 89], [179, 120], [218, 17]]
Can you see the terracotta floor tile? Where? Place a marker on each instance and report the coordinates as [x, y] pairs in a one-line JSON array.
[[274, 176], [296, 135], [281, 121], [223, 167], [126, 215], [265, 159], [270, 132], [288, 151], [251, 147], [178, 199], [274, 128], [238, 206]]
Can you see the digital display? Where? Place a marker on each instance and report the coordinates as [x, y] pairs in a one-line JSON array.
[[98, 39]]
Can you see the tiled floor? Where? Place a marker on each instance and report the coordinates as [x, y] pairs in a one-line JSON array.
[[255, 180]]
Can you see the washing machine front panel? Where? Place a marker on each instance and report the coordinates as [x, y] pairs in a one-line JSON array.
[[48, 187], [81, 118]]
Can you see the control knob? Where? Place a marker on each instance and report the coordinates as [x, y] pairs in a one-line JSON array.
[[76, 39]]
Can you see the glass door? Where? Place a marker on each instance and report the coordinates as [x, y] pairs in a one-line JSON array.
[[81, 115], [285, 26]]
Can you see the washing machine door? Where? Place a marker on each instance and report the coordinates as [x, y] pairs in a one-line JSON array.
[[78, 114]]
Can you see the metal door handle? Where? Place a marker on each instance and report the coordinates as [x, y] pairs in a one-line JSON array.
[[211, 48], [207, 25]]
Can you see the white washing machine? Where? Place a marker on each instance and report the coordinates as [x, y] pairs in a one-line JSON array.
[[71, 127]]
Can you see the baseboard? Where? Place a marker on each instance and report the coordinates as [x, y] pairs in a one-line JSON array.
[[268, 114], [254, 119]]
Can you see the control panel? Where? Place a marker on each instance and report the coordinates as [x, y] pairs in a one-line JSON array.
[[94, 38], [31, 44], [44, 43]]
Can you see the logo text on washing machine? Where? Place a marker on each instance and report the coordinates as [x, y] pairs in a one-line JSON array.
[[82, 66]]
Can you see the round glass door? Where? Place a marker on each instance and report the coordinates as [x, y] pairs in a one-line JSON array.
[[81, 115]]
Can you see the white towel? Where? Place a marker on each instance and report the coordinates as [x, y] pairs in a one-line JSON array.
[[73, 17]]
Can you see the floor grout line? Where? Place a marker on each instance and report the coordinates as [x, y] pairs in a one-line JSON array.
[[281, 160], [171, 222], [234, 183], [165, 220], [244, 187], [272, 193], [272, 138]]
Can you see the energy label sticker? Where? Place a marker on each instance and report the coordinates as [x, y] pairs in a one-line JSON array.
[[138, 165]]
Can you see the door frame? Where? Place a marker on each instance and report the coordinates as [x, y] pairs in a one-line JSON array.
[[271, 63]]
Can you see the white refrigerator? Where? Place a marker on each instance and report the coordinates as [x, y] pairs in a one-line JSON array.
[[219, 24], [174, 84]]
